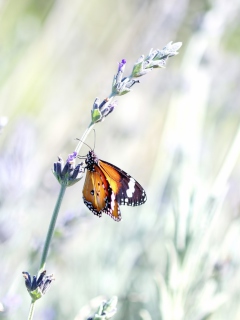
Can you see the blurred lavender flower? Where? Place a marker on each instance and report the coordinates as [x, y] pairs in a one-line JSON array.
[[65, 228], [37, 287], [69, 219], [155, 59], [106, 310], [68, 174], [47, 314], [15, 169], [34, 249], [16, 172], [11, 302], [3, 123]]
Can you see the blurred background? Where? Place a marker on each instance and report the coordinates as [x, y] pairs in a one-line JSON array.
[[178, 133]]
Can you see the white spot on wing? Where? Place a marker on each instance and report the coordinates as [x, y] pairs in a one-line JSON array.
[[131, 188], [112, 200]]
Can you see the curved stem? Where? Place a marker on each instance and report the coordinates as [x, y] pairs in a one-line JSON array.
[[84, 136], [57, 207], [31, 311], [51, 227]]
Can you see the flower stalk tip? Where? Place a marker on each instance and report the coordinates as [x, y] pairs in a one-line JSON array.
[[121, 65], [155, 59]]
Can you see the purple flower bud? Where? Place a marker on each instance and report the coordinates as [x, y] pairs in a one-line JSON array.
[[108, 109], [121, 65], [72, 156]]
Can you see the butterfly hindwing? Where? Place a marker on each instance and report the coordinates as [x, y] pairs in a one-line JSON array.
[[95, 191], [112, 208]]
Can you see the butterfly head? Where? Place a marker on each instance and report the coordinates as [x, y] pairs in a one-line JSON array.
[[91, 160]]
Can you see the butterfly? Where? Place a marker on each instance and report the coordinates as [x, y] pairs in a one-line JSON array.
[[106, 187]]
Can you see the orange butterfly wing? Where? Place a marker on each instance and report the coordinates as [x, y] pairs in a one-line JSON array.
[[127, 190], [95, 191], [113, 177]]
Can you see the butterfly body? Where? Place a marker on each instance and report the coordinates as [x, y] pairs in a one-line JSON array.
[[107, 186]]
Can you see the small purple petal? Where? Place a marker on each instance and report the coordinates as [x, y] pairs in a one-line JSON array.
[[121, 64], [72, 156]]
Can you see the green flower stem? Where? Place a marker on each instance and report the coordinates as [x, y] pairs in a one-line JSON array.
[[31, 311], [51, 227], [57, 207], [84, 136]]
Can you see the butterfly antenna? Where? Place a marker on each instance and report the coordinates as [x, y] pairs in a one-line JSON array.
[[84, 143]]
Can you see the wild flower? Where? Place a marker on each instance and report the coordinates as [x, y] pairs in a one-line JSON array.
[[37, 286]]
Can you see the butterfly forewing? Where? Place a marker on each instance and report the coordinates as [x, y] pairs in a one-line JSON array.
[[95, 191], [127, 190]]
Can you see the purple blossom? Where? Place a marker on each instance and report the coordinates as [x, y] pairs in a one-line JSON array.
[[121, 65], [72, 157]]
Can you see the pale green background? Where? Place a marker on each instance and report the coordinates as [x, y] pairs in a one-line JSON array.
[[175, 258]]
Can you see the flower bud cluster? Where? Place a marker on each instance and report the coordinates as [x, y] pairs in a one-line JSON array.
[[120, 86], [68, 174], [101, 110], [37, 287], [155, 59]]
